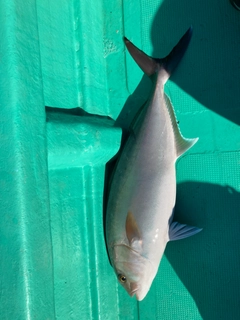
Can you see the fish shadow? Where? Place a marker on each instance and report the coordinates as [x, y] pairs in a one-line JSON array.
[[208, 265], [210, 73], [209, 70]]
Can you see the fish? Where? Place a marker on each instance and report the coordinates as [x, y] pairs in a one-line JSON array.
[[142, 196]]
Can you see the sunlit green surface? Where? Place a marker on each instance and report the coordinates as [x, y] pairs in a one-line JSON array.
[[70, 54]]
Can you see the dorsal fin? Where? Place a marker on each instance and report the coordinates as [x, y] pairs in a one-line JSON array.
[[182, 144]]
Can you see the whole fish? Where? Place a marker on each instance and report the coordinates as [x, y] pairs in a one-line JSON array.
[[143, 189]]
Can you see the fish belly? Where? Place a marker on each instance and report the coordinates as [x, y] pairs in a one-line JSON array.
[[145, 184]]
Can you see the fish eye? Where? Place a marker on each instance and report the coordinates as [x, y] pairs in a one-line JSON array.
[[122, 278]]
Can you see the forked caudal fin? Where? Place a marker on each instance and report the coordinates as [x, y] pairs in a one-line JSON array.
[[166, 65]]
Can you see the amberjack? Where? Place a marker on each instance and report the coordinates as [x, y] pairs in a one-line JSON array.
[[143, 189]]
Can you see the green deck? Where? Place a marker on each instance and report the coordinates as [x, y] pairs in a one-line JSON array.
[[68, 54]]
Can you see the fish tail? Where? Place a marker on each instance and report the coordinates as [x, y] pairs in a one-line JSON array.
[[164, 66]]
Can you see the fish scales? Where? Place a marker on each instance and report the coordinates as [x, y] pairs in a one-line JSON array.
[[143, 189]]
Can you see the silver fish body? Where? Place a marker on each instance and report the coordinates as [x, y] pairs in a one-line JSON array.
[[143, 189]]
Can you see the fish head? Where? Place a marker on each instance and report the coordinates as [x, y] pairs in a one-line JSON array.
[[134, 272]]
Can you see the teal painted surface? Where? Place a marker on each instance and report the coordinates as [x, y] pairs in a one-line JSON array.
[[76, 181], [52, 53], [26, 268], [82, 57]]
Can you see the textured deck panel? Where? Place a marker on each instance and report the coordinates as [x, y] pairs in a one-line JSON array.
[[82, 54], [26, 268], [82, 274], [69, 54]]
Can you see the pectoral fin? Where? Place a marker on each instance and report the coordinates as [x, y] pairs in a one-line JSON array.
[[179, 231], [132, 231]]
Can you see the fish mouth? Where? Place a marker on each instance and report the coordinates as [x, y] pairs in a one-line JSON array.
[[133, 292], [134, 288]]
